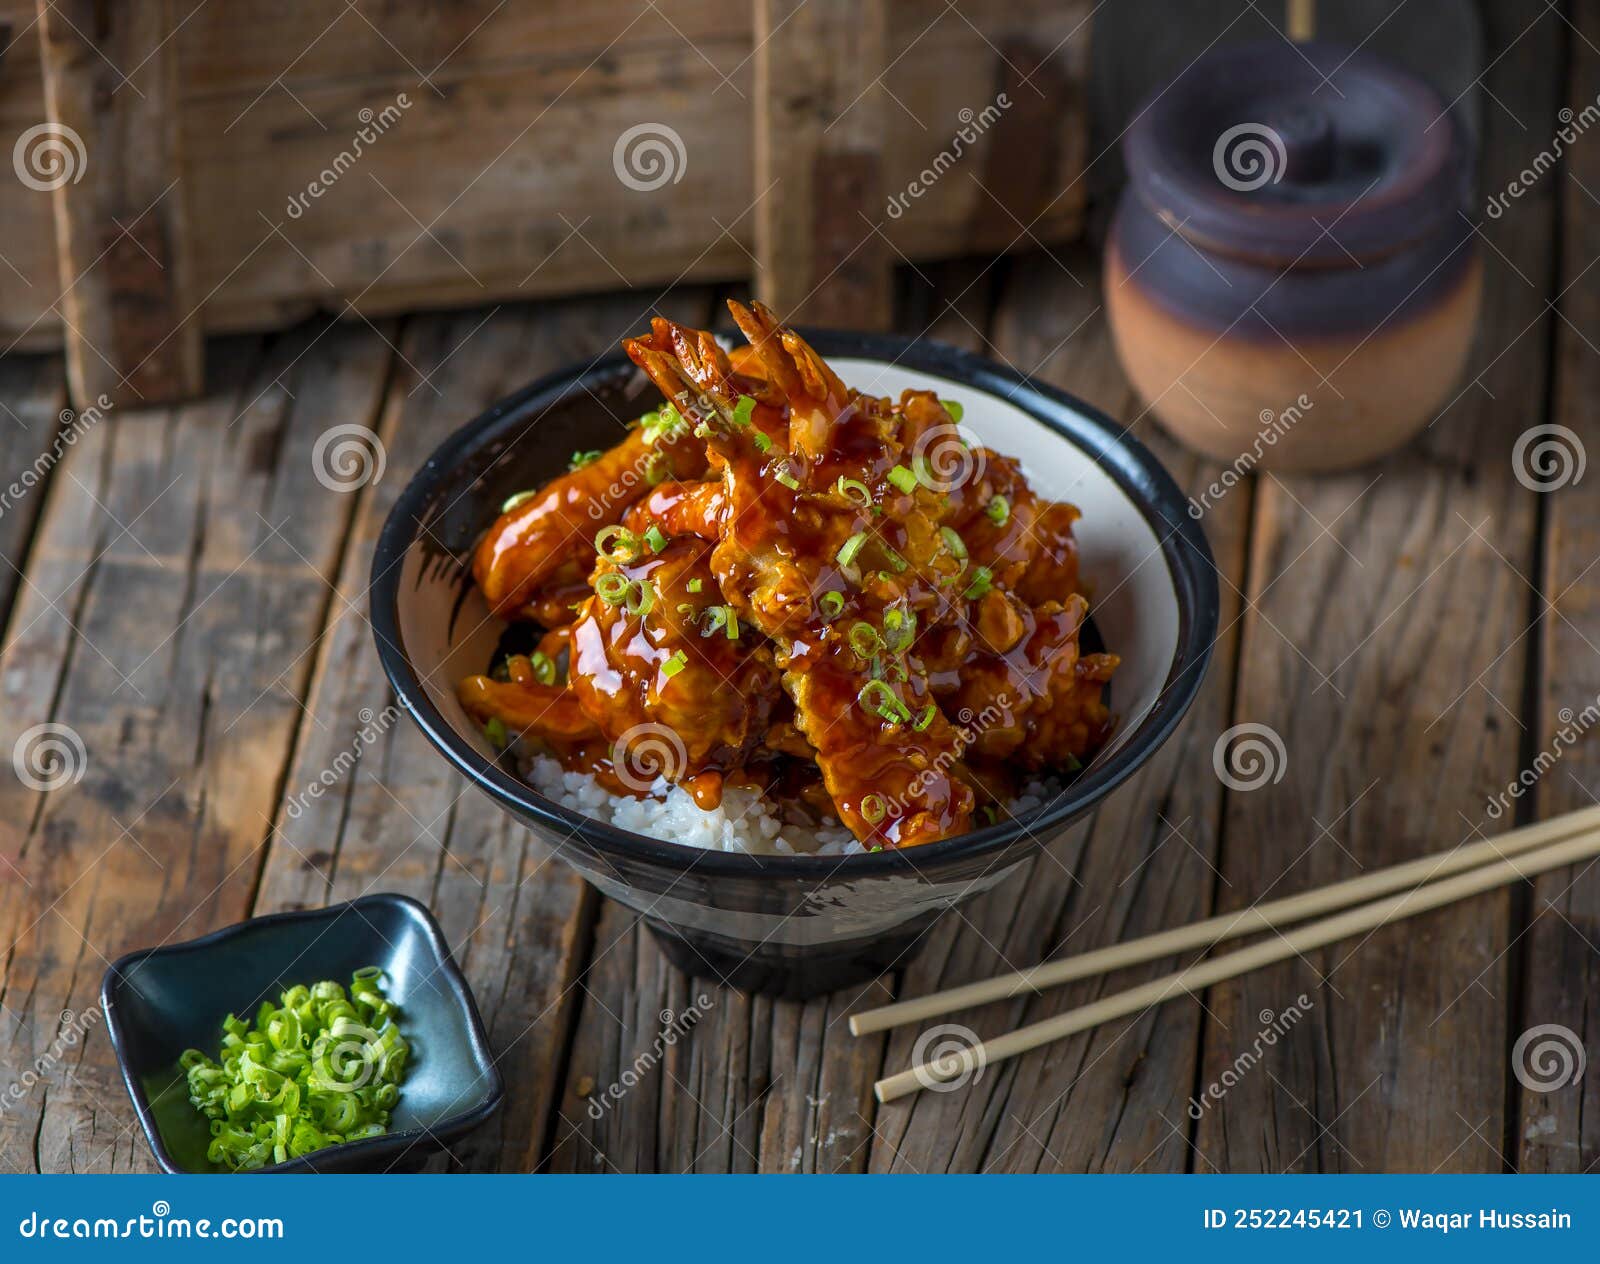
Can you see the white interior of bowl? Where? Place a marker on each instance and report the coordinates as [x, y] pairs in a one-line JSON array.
[[1133, 601]]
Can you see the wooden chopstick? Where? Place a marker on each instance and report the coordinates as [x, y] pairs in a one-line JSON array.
[[1196, 978], [1214, 930]]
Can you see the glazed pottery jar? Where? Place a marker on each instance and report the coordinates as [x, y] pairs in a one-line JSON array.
[[1291, 277]]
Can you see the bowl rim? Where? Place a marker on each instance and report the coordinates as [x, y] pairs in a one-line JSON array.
[[1129, 464], [402, 1140]]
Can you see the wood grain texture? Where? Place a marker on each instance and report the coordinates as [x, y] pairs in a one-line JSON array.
[[1559, 953], [123, 233], [820, 129], [498, 179], [394, 817], [181, 559], [1384, 636], [34, 435]]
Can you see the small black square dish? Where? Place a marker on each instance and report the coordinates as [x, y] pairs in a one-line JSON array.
[[160, 1001]]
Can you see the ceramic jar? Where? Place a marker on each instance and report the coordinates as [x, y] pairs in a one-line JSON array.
[[1291, 278]]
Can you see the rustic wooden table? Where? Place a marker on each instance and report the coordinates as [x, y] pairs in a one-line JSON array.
[[181, 593]]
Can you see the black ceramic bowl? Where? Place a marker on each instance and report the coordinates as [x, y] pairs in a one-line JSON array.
[[798, 925], [161, 1001]]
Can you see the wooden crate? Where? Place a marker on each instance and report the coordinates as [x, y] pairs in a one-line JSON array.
[[474, 153]]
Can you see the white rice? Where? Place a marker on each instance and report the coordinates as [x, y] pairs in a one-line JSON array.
[[745, 821]]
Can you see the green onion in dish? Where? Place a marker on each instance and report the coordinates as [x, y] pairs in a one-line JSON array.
[[321, 1068], [864, 640], [903, 479], [852, 546], [784, 476], [982, 582], [612, 588], [743, 410], [618, 543], [655, 539], [521, 498], [853, 489], [580, 459], [873, 809], [956, 411], [674, 665], [999, 510], [495, 731], [954, 542], [832, 604], [763, 444], [641, 596], [880, 698], [899, 628], [544, 669]]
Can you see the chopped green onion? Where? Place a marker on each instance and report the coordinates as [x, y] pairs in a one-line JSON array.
[[953, 542], [895, 560], [521, 498], [655, 470], [955, 410], [873, 809], [900, 628], [655, 538], [612, 588], [864, 640], [687, 611], [724, 619], [320, 1068], [903, 478], [881, 699], [783, 475], [641, 597], [999, 510], [762, 442], [982, 582], [674, 665], [854, 489], [695, 585], [742, 411], [832, 604], [665, 423], [618, 543], [544, 669], [495, 731], [852, 546], [926, 718], [923, 469], [580, 459]]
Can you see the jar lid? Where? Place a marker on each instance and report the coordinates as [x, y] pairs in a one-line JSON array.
[[1298, 155]]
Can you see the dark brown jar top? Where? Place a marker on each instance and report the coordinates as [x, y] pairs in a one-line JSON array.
[[1306, 155]]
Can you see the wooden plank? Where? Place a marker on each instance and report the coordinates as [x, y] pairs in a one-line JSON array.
[[1384, 646], [1111, 1100], [461, 198], [399, 820], [180, 556], [110, 157], [1557, 1124], [819, 140], [35, 432]]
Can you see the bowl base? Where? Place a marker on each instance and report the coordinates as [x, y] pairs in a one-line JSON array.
[[787, 971]]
